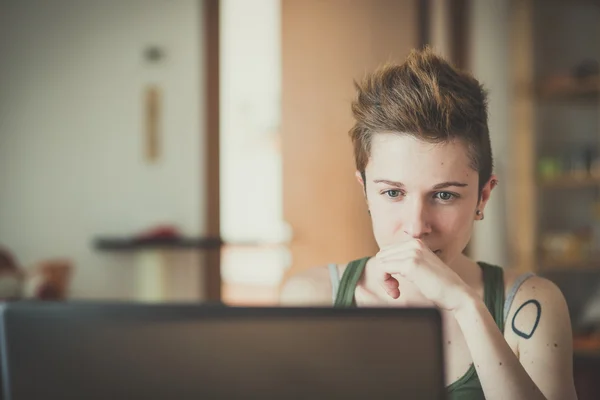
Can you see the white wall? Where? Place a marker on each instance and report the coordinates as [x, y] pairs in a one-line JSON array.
[[71, 131], [489, 52]]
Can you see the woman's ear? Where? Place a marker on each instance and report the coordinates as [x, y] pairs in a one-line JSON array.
[[359, 178], [486, 192]]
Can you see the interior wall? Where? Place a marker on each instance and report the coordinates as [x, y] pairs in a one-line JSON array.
[[72, 162]]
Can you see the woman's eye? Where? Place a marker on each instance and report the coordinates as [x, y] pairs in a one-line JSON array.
[[445, 196], [392, 193]]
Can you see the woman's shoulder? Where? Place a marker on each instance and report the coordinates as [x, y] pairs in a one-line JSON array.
[[521, 282], [510, 276], [311, 286], [526, 288], [528, 294]]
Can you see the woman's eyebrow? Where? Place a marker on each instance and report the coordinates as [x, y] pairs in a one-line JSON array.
[[439, 186], [387, 182], [444, 185]]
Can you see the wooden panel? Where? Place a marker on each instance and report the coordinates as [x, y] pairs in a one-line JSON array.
[[522, 209], [325, 46], [459, 33], [212, 258]]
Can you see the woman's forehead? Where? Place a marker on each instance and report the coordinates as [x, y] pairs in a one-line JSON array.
[[404, 156]]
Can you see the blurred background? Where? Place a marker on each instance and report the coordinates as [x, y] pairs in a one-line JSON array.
[[197, 150]]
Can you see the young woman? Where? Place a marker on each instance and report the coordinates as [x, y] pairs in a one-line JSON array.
[[424, 163]]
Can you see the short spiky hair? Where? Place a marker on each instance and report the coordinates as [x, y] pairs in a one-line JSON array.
[[427, 98]]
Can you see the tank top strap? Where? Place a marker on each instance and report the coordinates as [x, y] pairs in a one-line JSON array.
[[350, 278], [493, 292]]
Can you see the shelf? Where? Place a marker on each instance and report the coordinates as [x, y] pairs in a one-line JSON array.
[[255, 244], [567, 88], [591, 264], [569, 182], [128, 244]]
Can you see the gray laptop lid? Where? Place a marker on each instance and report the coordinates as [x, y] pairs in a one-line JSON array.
[[127, 351]]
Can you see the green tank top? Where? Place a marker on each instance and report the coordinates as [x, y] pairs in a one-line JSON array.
[[468, 386]]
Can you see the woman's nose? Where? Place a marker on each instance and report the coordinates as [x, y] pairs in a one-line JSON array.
[[415, 223]]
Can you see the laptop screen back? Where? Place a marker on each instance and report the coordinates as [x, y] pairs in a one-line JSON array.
[[189, 352]]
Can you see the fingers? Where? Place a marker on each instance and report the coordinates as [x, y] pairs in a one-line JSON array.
[[409, 243], [391, 286], [400, 259], [402, 264]]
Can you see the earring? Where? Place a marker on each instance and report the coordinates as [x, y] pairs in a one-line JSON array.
[[479, 214]]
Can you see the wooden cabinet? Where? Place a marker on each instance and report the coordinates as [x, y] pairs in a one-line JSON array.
[[554, 185], [555, 170]]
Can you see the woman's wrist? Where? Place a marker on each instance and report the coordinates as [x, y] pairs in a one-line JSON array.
[[469, 305]]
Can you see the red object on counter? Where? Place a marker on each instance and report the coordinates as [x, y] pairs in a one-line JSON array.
[[159, 232]]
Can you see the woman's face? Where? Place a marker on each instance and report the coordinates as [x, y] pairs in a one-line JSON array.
[[422, 190]]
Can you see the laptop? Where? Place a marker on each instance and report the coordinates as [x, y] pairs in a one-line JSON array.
[[139, 351]]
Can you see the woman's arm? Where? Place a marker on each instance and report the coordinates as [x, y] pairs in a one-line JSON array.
[[544, 368]]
